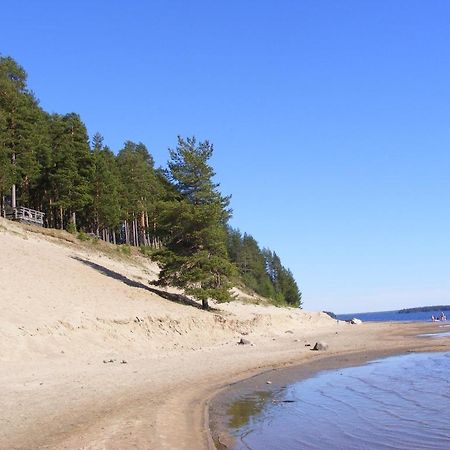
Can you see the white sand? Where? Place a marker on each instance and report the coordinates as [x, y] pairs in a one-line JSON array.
[[66, 307]]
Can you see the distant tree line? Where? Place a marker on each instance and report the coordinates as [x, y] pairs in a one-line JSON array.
[[47, 163], [425, 309], [261, 269]]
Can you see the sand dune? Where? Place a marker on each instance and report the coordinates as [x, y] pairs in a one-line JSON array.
[[93, 357]]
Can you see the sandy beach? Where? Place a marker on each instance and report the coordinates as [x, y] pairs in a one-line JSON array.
[[93, 358]]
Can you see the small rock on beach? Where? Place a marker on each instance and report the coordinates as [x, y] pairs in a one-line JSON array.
[[355, 321]]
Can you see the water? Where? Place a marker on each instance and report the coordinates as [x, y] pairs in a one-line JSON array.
[[437, 334], [401, 402], [387, 316]]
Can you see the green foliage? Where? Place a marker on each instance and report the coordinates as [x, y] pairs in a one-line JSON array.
[[72, 163], [136, 171], [195, 256], [82, 236], [192, 176], [261, 270], [124, 249], [147, 250], [177, 216], [71, 228], [22, 136], [141, 189], [105, 187]]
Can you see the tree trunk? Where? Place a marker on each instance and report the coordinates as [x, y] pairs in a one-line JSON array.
[[74, 220], [135, 231], [142, 229], [127, 238], [155, 238], [13, 196], [147, 234], [13, 188]]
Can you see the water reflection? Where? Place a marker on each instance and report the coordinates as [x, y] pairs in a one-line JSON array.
[[246, 408]]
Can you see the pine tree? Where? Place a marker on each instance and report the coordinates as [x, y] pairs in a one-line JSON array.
[[6, 167], [139, 190], [105, 210], [20, 131], [252, 266], [261, 270], [47, 161], [195, 256], [290, 290], [286, 288], [71, 167]]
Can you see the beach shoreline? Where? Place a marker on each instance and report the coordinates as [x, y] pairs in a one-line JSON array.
[[172, 401], [92, 358], [273, 381]]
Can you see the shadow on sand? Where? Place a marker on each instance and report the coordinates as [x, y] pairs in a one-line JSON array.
[[177, 298]]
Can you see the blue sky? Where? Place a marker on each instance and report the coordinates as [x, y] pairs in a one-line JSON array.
[[330, 121]]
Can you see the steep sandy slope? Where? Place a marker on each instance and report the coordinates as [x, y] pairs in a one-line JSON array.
[[60, 295]]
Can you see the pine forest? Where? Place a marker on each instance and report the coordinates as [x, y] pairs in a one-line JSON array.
[[176, 215]]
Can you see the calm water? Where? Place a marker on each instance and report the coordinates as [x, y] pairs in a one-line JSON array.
[[400, 402], [385, 316]]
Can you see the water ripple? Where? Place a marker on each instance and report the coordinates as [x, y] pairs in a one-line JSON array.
[[396, 403]]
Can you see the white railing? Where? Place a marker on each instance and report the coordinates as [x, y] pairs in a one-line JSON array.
[[27, 215]]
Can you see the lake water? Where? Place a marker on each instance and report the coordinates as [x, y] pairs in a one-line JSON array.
[[384, 316], [401, 402]]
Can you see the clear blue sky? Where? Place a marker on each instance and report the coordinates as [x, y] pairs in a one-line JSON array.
[[330, 119]]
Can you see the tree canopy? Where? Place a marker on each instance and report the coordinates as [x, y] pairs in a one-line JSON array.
[[178, 213], [195, 254]]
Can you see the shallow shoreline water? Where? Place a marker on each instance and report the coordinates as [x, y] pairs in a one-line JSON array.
[[397, 402], [270, 384]]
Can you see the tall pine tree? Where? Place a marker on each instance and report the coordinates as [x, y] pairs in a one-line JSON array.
[[195, 256], [21, 131], [105, 210], [72, 168], [139, 190]]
